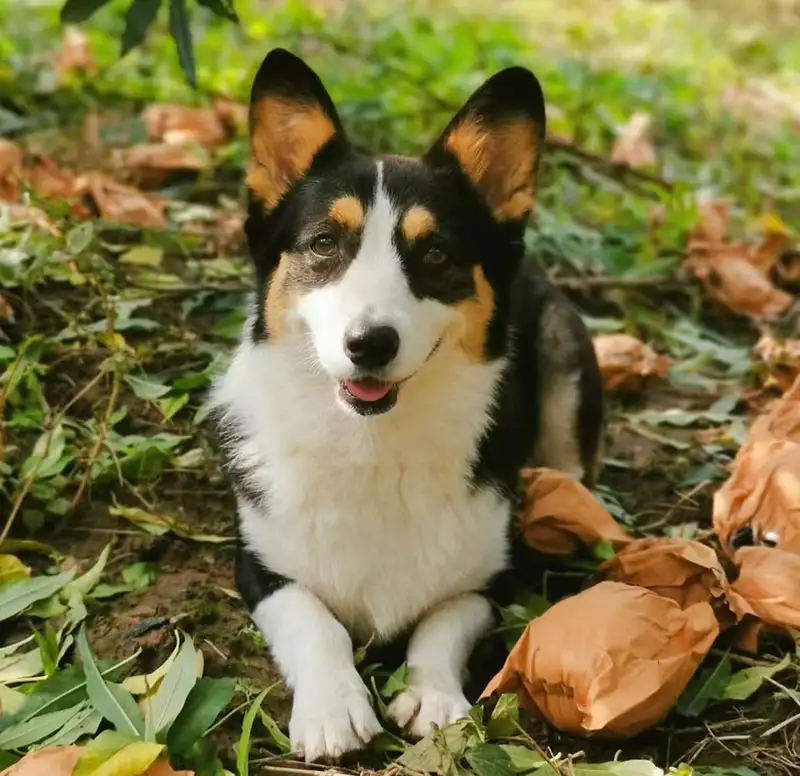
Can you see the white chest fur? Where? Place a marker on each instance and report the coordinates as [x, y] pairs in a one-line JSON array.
[[376, 516]]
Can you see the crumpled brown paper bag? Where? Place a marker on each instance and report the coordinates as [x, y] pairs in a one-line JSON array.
[[560, 514], [763, 491], [610, 661], [680, 569], [626, 362], [769, 582]]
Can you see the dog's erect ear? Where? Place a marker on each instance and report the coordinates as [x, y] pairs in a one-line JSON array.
[[497, 139], [291, 118]]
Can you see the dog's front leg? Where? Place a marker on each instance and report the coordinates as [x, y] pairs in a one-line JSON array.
[[332, 711], [437, 658]]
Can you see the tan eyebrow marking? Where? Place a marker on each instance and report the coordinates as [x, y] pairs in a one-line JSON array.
[[347, 211], [417, 222]]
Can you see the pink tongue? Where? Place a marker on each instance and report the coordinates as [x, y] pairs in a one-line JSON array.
[[367, 391]]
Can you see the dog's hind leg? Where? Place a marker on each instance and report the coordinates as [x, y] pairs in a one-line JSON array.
[[570, 394]]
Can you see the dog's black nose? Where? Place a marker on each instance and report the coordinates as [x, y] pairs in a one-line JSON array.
[[372, 347]]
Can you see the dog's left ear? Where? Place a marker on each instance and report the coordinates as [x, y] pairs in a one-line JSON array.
[[497, 139], [292, 118]]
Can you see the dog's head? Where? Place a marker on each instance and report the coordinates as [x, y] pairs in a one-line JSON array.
[[378, 264]]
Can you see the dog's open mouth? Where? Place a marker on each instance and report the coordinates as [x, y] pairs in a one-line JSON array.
[[368, 396]]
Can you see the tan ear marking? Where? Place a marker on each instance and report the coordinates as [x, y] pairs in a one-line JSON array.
[[499, 159], [348, 211], [285, 137], [417, 222], [477, 313]]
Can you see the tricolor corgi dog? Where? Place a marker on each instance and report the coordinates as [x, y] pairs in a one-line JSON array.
[[399, 365]]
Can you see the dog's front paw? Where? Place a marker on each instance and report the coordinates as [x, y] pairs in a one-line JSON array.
[[420, 707], [331, 717]]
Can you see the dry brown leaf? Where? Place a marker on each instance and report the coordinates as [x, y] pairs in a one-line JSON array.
[[48, 180], [627, 362], [153, 162], [763, 491], [75, 53], [560, 514], [235, 115], [632, 146], [769, 581], [610, 661], [27, 214], [122, 204], [736, 274], [184, 125], [782, 359], [53, 761]]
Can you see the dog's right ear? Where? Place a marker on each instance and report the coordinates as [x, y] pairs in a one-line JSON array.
[[292, 118]]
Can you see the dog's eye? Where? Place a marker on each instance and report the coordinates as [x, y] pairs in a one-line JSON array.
[[435, 256], [324, 245]]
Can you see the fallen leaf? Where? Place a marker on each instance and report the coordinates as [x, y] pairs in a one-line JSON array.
[[184, 125], [769, 581], [782, 358], [235, 115], [763, 491], [122, 204], [53, 761], [12, 569], [75, 53], [632, 146], [685, 571], [734, 273], [48, 180], [153, 162], [610, 661], [11, 157], [560, 514], [626, 362], [24, 215]]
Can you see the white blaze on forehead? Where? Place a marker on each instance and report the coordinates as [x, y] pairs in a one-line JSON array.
[[373, 290]]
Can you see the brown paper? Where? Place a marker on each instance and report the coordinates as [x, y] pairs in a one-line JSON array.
[[626, 363], [560, 514], [687, 572], [763, 491], [769, 581], [610, 661]]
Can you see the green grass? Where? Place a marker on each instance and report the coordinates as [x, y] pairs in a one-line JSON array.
[[103, 373]]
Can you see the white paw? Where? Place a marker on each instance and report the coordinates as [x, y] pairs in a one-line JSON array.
[[332, 717], [419, 708]]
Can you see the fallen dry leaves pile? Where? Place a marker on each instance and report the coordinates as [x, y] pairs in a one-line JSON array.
[[627, 363], [734, 273], [613, 660], [180, 139]]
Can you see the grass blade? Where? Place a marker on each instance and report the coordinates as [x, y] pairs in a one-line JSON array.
[[182, 34], [243, 747], [116, 705]]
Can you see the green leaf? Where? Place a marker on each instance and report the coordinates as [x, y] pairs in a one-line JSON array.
[[396, 683], [29, 732], [18, 596], [100, 750], [140, 15], [84, 723], [206, 701], [276, 736], [243, 747], [617, 768], [86, 582], [524, 760], [744, 683], [116, 705], [505, 717], [174, 688], [222, 8], [79, 238], [76, 11], [146, 389], [47, 458], [182, 34], [490, 760], [706, 686], [172, 405]]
